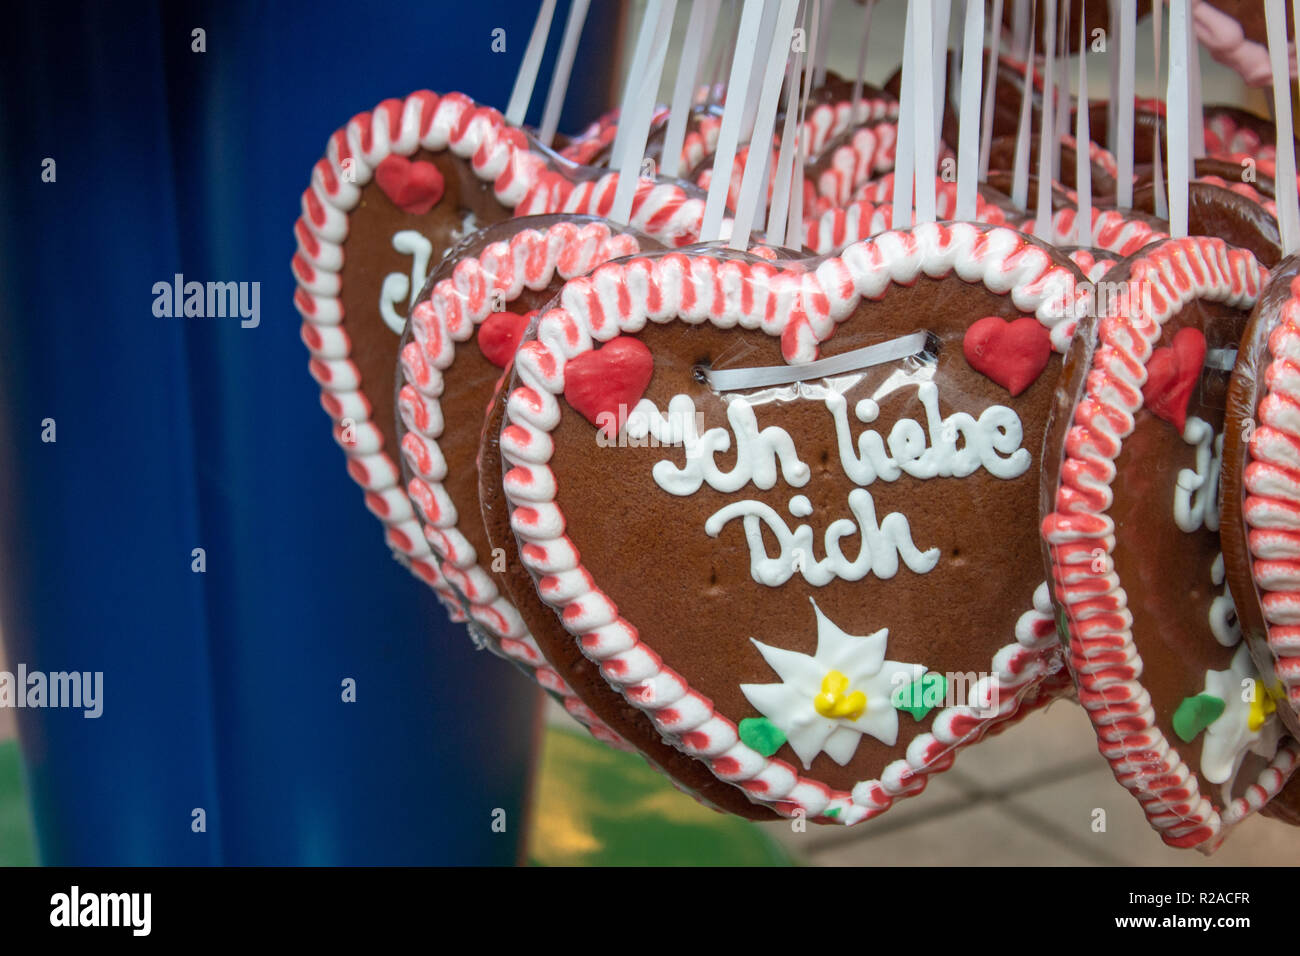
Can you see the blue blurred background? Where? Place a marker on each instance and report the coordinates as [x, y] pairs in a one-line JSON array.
[[222, 690]]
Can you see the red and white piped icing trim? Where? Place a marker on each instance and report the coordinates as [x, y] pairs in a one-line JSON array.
[[705, 180], [1112, 231], [586, 146], [823, 123], [1092, 265], [1224, 139], [869, 152], [698, 143], [861, 219], [1104, 657], [802, 308], [530, 259], [663, 211], [395, 127], [826, 121], [1272, 504]]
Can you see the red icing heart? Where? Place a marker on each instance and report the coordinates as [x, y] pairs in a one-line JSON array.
[[606, 385], [413, 186], [1172, 373], [499, 335], [1013, 354]]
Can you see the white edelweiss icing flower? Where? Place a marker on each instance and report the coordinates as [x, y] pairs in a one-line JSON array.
[[826, 702], [1245, 726]]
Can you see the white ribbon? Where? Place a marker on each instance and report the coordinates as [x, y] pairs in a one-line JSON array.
[[563, 68], [1284, 182], [1177, 119], [1122, 144], [741, 379], [527, 76], [1082, 144], [972, 59]]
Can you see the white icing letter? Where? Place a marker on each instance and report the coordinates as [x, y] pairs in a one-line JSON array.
[[882, 543], [396, 286], [1196, 493], [1001, 431], [757, 452]]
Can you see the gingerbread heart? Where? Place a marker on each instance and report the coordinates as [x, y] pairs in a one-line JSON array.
[[1131, 525], [397, 187], [500, 334], [444, 387], [769, 552], [414, 186], [1261, 545], [1013, 353], [1172, 374], [605, 384]]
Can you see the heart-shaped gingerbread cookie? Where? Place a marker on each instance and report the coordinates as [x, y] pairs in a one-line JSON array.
[[764, 561], [1131, 527], [397, 187], [469, 314]]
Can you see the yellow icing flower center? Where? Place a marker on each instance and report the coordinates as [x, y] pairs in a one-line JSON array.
[[1260, 708], [834, 702]]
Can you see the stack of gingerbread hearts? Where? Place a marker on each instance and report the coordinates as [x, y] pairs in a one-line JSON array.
[[798, 434]]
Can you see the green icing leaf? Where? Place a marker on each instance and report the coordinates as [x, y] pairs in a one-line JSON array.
[[1194, 714], [832, 813], [762, 735], [922, 695]]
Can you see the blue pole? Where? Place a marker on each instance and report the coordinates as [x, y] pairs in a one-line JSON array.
[[222, 690]]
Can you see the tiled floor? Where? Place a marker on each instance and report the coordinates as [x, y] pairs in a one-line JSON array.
[[1029, 796]]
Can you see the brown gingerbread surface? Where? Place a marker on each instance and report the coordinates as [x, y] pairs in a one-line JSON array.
[[694, 598], [1167, 570], [467, 204], [1002, 156], [1215, 211]]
